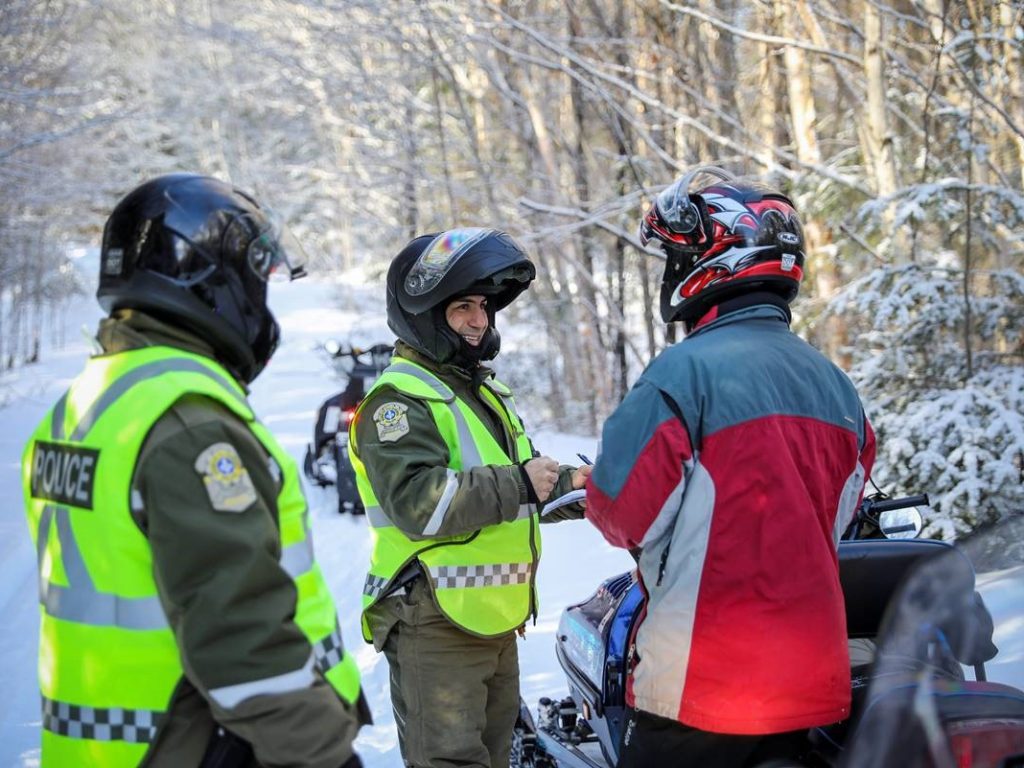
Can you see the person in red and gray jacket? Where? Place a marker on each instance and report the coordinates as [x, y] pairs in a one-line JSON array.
[[733, 465]]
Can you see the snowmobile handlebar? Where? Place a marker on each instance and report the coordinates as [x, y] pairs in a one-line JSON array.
[[875, 519], [357, 361], [877, 505]]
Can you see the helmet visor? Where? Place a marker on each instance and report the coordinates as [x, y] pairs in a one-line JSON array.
[[274, 253], [440, 256], [261, 241], [678, 211]]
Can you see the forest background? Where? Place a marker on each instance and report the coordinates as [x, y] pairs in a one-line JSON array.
[[897, 126]]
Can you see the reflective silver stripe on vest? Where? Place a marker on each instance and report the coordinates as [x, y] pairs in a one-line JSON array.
[[437, 516], [467, 445], [80, 601], [230, 696], [374, 586], [146, 371], [505, 400], [377, 519], [426, 377], [57, 417], [297, 558], [525, 510], [499, 574], [329, 651], [137, 726]]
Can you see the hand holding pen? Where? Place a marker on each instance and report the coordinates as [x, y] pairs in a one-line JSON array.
[[579, 477]]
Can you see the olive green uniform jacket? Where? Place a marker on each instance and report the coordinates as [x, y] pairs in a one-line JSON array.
[[228, 600], [409, 475]]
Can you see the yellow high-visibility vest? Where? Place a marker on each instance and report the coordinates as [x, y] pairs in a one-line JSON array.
[[108, 661], [482, 581]]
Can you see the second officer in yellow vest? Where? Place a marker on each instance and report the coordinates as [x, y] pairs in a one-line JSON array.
[[451, 482], [183, 618]]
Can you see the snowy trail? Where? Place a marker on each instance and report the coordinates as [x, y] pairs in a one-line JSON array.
[[285, 396]]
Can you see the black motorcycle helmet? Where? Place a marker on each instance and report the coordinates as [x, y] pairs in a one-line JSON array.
[[198, 252], [721, 241], [432, 270]]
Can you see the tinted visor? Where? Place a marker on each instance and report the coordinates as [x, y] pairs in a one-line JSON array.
[[213, 225], [439, 257]]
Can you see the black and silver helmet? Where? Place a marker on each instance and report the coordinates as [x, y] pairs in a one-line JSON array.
[[198, 252], [432, 270]]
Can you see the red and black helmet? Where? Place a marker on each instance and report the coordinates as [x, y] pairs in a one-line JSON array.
[[726, 239]]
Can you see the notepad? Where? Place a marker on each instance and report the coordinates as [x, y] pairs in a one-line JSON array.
[[571, 497]]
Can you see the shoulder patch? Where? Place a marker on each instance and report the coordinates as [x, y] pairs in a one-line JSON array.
[[392, 421], [226, 479]]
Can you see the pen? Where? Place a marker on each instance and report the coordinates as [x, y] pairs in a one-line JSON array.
[[584, 459]]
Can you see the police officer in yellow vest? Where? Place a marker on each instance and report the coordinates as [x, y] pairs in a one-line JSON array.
[[450, 482], [184, 620]]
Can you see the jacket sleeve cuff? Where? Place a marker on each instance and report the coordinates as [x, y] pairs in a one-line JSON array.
[[526, 493]]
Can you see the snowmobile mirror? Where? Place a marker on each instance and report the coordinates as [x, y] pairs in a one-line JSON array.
[[901, 523]]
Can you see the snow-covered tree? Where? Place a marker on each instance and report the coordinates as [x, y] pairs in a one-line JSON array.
[[948, 422]]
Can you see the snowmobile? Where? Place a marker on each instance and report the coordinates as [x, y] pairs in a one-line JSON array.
[[879, 550], [326, 462]]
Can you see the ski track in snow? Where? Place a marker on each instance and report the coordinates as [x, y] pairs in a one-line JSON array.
[[286, 395]]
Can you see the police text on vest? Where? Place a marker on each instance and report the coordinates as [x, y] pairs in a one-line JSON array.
[[64, 473]]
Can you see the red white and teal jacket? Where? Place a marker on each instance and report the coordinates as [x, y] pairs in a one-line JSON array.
[[735, 463]]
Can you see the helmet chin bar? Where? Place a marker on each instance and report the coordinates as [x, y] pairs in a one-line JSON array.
[[488, 347], [457, 351]]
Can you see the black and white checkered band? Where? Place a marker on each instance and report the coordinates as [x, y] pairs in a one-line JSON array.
[[137, 726], [329, 651], [496, 575], [374, 586]]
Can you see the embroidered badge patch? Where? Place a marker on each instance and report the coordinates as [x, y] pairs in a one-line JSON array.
[[392, 422], [226, 479]]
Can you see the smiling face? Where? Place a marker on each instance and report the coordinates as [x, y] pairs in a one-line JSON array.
[[467, 316]]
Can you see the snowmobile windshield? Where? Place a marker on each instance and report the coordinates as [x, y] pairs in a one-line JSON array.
[[947, 682]]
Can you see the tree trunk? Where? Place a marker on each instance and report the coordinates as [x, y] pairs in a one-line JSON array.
[[821, 266]]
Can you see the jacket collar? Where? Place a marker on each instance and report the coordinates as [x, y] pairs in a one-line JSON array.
[[446, 371], [754, 312], [129, 329]]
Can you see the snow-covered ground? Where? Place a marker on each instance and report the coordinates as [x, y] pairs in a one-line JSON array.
[[286, 396]]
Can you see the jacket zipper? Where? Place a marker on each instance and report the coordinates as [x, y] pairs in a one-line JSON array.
[[512, 435], [662, 564]]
